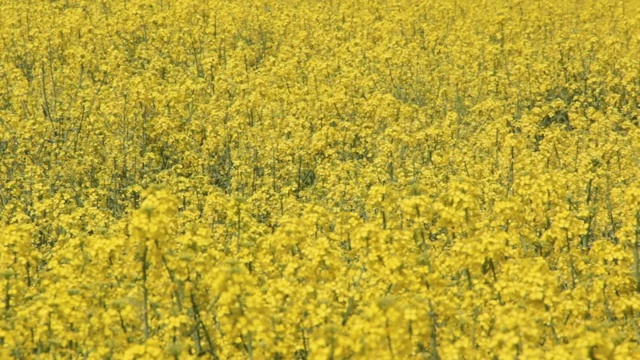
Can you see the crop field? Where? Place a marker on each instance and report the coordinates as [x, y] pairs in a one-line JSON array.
[[304, 179]]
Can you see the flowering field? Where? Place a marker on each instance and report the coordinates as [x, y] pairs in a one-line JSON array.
[[299, 179]]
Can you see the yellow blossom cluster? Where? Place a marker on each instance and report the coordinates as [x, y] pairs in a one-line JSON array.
[[301, 179]]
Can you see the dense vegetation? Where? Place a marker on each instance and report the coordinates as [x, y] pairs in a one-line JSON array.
[[340, 179]]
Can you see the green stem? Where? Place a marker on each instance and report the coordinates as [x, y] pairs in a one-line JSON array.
[[636, 257], [145, 293]]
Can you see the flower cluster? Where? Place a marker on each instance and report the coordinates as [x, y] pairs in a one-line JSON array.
[[306, 179]]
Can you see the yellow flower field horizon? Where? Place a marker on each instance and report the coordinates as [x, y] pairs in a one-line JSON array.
[[319, 179]]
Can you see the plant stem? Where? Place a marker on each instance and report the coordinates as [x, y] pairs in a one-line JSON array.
[[145, 292]]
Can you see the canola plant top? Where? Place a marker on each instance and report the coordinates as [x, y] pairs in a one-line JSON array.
[[319, 179]]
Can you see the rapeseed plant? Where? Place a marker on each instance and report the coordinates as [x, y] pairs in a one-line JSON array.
[[311, 180]]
